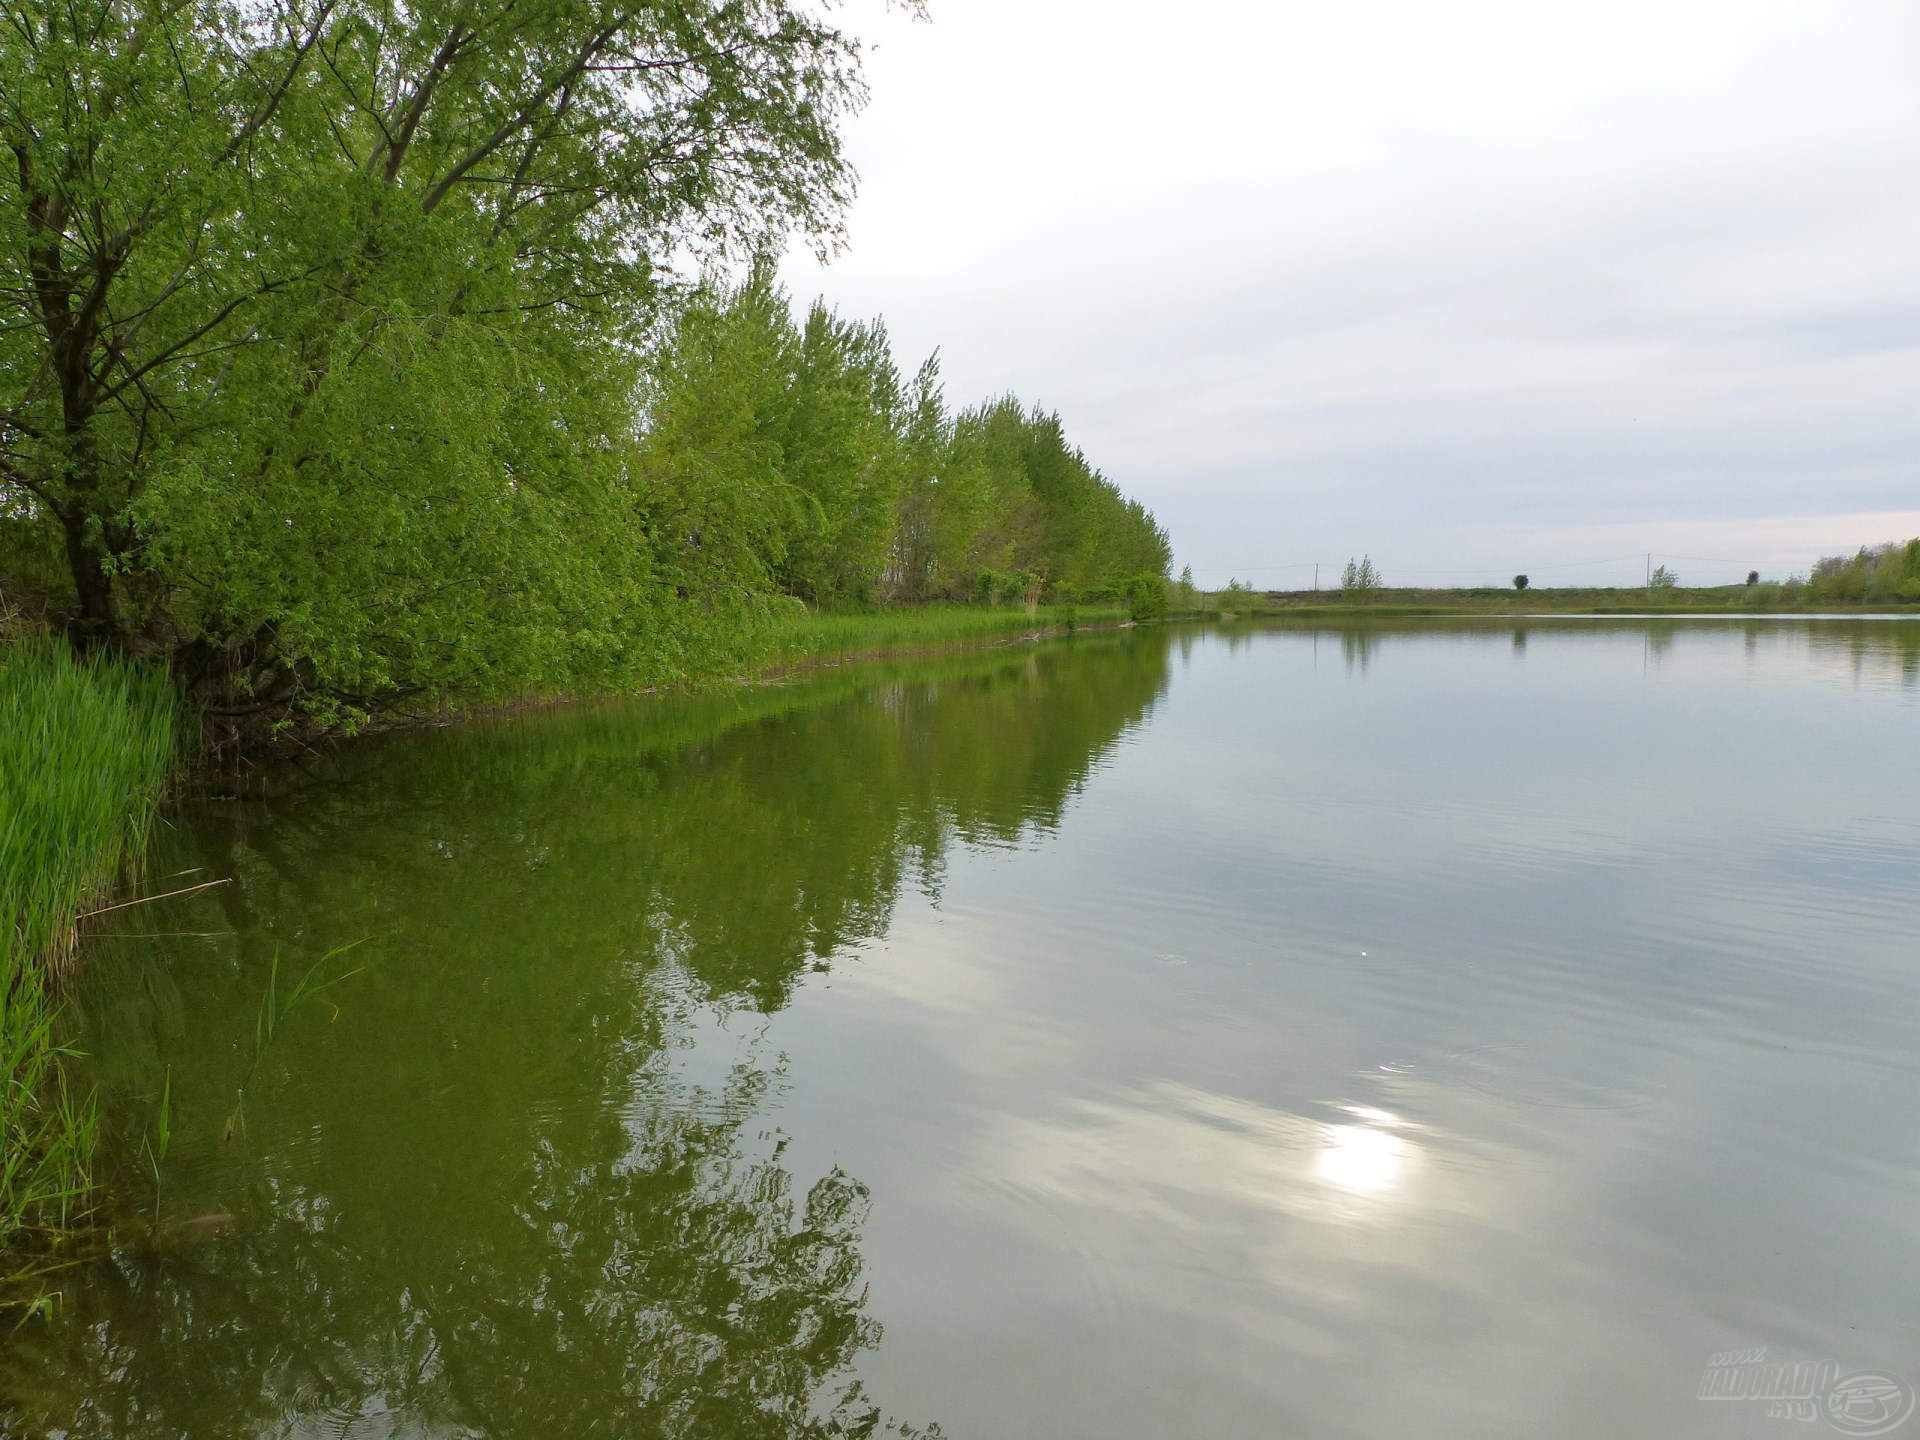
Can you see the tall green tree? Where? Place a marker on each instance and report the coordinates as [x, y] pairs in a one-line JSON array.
[[925, 452], [807, 451], [845, 455], [321, 315], [718, 508], [341, 362]]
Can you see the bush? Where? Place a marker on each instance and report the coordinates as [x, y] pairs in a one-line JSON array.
[[1236, 597], [1883, 574], [1147, 597], [1520, 582], [1359, 580]]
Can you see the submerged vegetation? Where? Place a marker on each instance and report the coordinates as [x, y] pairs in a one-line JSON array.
[[85, 745]]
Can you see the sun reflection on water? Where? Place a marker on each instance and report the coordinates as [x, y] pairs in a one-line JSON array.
[[1368, 1158]]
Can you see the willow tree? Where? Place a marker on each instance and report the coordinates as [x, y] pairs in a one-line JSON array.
[[321, 316]]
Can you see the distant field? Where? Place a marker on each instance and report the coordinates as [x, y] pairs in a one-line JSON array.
[[1489, 600]]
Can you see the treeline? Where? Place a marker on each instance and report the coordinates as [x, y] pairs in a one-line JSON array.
[[1881, 574], [341, 365], [795, 457]]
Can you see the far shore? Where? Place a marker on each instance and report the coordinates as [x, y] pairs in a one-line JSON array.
[[1669, 601]]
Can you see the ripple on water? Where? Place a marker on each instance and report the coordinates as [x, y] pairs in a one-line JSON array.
[[1523, 1072]]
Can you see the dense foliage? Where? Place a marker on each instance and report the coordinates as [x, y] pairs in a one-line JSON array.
[[1882, 574], [798, 459], [340, 361]]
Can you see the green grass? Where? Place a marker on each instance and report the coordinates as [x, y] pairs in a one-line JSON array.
[[814, 636], [85, 747]]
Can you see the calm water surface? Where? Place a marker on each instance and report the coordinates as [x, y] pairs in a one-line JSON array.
[[1439, 1030]]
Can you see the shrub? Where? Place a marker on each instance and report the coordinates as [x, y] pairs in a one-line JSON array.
[[1238, 595], [1359, 580], [1147, 597]]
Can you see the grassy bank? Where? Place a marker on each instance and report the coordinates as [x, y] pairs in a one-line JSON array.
[[85, 747], [815, 637], [798, 640]]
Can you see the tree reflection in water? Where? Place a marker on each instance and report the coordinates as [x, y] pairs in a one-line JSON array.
[[493, 1194]]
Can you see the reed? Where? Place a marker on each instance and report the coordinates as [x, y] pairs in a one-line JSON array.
[[85, 747], [275, 1006]]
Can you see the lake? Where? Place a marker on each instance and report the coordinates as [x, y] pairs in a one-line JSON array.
[[1425, 1028]]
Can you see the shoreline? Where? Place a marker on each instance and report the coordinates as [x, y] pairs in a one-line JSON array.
[[1463, 612], [781, 671], [1703, 605]]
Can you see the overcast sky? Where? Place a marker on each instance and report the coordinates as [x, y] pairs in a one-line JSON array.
[[1491, 285]]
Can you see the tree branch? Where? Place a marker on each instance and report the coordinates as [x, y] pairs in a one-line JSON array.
[[520, 119], [180, 349], [270, 103]]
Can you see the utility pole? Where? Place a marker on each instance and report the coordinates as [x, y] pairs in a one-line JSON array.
[[1316, 577], [1649, 569]]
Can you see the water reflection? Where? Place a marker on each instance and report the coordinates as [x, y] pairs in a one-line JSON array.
[[1245, 1176], [1366, 1157], [1357, 644], [666, 1273], [1885, 650], [526, 1178], [1471, 1035]]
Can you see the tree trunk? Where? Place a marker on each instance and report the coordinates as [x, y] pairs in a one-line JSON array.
[[96, 620]]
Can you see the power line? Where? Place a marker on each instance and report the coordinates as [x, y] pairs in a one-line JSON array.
[[1723, 560]]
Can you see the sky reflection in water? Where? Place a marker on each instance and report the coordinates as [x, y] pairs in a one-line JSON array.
[[1439, 1029]]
